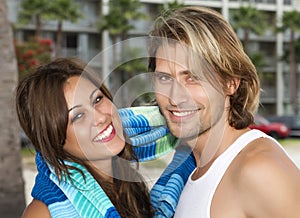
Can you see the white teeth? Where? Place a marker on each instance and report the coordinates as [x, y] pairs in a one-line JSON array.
[[105, 134], [184, 113]]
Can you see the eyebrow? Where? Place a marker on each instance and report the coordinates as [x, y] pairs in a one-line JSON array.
[[91, 97], [183, 72], [159, 72]]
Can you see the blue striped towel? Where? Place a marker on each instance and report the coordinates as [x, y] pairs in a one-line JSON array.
[[151, 139], [79, 198], [147, 132], [166, 191]]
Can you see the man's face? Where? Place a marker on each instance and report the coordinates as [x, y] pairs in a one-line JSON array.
[[191, 105]]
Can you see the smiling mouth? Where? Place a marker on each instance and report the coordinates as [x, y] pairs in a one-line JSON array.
[[183, 113], [106, 134]]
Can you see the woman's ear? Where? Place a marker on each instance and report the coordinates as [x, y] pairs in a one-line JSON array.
[[232, 86]]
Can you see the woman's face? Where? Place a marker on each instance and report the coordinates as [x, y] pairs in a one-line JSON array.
[[94, 129]]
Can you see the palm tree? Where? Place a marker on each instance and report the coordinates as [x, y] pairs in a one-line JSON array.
[[297, 50], [62, 10], [250, 20], [35, 8], [290, 21], [171, 6], [12, 198], [117, 23]]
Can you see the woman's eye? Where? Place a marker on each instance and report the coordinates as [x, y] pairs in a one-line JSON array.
[[98, 99], [163, 77], [76, 117]]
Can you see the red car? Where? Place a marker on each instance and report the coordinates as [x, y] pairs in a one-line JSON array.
[[276, 130]]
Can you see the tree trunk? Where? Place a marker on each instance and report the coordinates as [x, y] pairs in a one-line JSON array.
[[246, 40], [38, 31], [116, 80], [59, 39], [124, 75], [293, 75], [12, 197]]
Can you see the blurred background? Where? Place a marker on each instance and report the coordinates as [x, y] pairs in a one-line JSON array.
[[33, 32]]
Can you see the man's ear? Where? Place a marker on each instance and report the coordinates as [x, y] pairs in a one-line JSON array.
[[232, 86]]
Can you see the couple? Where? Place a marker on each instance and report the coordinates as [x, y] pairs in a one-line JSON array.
[[206, 88]]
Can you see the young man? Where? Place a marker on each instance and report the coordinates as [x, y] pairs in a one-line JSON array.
[[208, 90]]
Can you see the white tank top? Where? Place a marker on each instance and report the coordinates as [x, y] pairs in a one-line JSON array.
[[197, 195]]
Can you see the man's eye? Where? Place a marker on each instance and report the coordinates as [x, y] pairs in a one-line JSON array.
[[193, 78]]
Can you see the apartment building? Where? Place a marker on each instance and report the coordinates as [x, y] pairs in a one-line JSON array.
[[82, 39]]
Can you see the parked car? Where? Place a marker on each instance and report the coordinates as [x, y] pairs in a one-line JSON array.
[[275, 129], [291, 121]]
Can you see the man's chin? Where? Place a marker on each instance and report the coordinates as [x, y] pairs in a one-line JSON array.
[[183, 134]]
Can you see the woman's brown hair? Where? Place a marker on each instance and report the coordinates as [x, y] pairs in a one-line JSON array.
[[43, 115]]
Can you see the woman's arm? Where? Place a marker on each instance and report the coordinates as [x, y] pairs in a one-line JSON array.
[[36, 209]]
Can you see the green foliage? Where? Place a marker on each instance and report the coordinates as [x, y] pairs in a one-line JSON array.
[[121, 12], [133, 68], [63, 10], [249, 18], [54, 9], [135, 65], [48, 10], [259, 62], [286, 52], [145, 99], [175, 4], [170, 6], [33, 53], [31, 8], [290, 20]]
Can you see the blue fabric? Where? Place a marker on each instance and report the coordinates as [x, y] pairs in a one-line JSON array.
[[50, 193], [147, 132], [77, 197], [166, 191]]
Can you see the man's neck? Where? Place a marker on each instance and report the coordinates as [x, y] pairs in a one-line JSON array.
[[211, 144]]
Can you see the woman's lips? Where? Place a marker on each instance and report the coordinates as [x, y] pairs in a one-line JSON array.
[[106, 135]]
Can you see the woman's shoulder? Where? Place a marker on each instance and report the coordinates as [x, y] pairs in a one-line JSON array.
[[36, 209]]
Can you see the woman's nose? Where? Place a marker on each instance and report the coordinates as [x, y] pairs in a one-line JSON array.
[[99, 117]]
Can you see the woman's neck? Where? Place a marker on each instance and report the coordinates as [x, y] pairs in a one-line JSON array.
[[102, 169]]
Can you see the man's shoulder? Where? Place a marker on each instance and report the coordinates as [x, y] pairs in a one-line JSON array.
[[259, 155], [261, 163], [262, 174]]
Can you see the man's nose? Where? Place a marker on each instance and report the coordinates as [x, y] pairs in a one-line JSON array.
[[178, 93]]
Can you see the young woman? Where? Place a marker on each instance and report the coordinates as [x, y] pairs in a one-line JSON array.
[[83, 160]]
